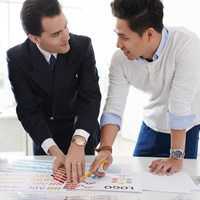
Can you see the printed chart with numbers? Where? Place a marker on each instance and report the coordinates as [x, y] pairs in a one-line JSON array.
[[43, 182], [69, 196], [17, 181], [30, 165], [40, 179], [46, 166]]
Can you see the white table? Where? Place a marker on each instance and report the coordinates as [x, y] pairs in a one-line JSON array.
[[138, 163]]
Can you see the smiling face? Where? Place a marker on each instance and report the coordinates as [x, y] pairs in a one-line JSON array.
[[55, 37], [131, 43]]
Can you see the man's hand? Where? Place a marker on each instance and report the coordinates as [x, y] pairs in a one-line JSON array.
[[103, 155], [75, 163], [59, 160], [166, 166]]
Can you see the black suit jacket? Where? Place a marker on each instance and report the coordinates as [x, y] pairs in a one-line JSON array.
[[42, 94]]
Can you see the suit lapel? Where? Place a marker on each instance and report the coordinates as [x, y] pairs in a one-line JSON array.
[[61, 79], [42, 73]]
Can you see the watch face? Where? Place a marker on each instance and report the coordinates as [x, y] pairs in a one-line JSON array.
[[177, 153], [79, 141]]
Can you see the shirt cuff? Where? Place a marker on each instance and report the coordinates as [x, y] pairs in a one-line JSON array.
[[110, 118], [82, 133], [47, 144], [179, 122]]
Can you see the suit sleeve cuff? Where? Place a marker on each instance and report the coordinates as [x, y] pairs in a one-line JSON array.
[[47, 144], [82, 133]]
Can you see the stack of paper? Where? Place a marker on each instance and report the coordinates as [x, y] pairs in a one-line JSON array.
[[179, 182]]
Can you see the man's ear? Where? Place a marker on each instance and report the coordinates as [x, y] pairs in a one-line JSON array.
[[34, 38], [149, 33]]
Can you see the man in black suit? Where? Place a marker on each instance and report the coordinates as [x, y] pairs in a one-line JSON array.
[[55, 84]]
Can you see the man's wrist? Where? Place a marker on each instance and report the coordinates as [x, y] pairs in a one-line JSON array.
[[78, 140], [109, 148], [82, 133], [49, 142], [55, 151], [177, 154]]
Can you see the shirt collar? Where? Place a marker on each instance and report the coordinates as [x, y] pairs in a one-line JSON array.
[[46, 54], [161, 46]]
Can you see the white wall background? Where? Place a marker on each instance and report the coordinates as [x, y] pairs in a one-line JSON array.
[[92, 18]]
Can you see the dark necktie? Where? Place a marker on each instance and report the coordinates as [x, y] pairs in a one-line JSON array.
[[52, 61]]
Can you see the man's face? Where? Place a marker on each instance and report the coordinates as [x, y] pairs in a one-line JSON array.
[[132, 44], [55, 37]]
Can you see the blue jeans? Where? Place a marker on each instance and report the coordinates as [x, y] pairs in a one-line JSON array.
[[151, 143]]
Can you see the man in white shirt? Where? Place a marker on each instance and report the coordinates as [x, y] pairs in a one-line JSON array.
[[164, 63], [55, 83]]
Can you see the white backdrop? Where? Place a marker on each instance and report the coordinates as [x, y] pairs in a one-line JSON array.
[[92, 18]]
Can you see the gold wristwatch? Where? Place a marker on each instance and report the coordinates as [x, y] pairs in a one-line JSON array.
[[78, 140]]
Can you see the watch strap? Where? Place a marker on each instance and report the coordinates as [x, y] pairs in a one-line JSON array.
[[109, 148]]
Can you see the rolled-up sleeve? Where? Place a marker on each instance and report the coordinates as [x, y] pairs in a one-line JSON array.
[[179, 122], [185, 85], [110, 118]]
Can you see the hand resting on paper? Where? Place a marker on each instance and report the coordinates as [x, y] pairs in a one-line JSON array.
[[166, 166]]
